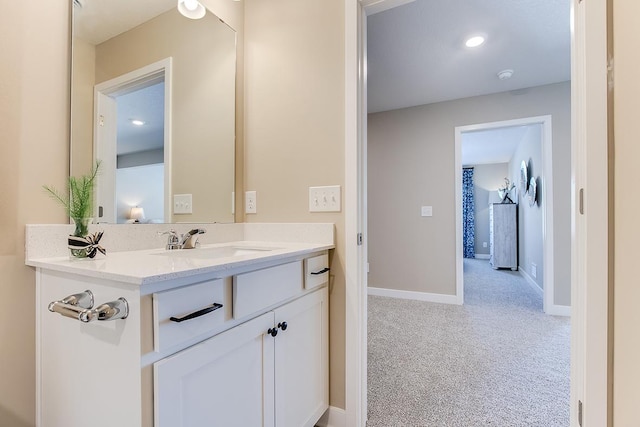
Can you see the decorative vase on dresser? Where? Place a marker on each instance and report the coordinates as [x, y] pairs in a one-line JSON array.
[[503, 235]]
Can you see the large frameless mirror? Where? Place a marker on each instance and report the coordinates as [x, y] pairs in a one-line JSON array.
[[153, 98]]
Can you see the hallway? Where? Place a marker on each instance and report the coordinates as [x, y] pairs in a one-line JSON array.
[[497, 360]]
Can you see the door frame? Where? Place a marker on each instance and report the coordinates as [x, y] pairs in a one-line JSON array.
[[147, 75], [590, 235], [546, 191]]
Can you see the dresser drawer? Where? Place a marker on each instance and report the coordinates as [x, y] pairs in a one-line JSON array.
[[260, 289], [183, 313]]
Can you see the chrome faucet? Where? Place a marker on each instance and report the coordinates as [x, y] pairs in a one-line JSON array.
[[188, 240]]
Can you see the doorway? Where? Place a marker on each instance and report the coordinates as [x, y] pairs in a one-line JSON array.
[[544, 178], [132, 135], [589, 256]]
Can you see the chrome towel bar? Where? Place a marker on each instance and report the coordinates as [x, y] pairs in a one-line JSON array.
[[80, 307]]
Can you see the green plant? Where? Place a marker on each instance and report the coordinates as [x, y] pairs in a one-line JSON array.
[[79, 202]]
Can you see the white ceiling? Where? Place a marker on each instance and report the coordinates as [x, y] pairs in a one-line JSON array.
[[491, 145], [146, 104], [99, 20], [416, 52]]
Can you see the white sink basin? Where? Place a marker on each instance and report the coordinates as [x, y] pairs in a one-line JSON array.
[[216, 252]]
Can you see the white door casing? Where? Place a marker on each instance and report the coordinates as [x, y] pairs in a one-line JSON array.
[[105, 132], [546, 191], [105, 137], [589, 360]]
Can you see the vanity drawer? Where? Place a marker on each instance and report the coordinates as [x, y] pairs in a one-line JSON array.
[[200, 300], [263, 288], [316, 271]]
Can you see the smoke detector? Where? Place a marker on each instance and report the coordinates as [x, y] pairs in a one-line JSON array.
[[505, 74]]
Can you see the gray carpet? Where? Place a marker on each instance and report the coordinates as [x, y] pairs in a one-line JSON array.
[[497, 360]]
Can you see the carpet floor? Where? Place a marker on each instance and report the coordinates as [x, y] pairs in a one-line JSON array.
[[497, 360]]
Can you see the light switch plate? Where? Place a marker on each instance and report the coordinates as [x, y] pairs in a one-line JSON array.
[[250, 202], [182, 204], [427, 211], [324, 199]]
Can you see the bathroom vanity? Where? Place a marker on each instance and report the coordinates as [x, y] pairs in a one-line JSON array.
[[227, 334]]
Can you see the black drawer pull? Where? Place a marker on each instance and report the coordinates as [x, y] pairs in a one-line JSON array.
[[324, 270], [198, 313]]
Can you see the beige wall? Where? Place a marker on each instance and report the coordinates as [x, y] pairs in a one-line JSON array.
[[412, 153], [203, 103], [294, 128], [626, 393], [83, 81], [34, 93], [486, 180]]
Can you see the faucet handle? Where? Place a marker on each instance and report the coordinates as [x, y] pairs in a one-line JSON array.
[[173, 241], [197, 231]]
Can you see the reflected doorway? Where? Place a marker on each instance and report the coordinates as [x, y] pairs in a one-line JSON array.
[[132, 141]]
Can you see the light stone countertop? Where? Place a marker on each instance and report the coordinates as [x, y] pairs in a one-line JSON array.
[[132, 250], [142, 267]]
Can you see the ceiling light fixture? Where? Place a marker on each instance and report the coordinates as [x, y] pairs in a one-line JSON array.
[[505, 74], [474, 41], [137, 122], [192, 9]]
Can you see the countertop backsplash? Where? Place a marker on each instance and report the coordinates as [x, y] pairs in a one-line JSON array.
[[50, 240]]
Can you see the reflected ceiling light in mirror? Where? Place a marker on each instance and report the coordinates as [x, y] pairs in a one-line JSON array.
[[137, 122], [192, 9], [474, 41]]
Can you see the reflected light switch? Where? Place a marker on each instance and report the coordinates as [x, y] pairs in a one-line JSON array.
[[182, 204], [427, 211]]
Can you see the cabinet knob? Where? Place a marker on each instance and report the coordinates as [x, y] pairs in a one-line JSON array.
[[283, 326], [273, 331]]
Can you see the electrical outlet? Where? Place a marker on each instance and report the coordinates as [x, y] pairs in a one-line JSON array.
[[484, 244], [426, 211], [250, 205], [182, 204], [324, 199]]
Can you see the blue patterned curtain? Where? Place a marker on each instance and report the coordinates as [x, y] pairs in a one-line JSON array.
[[468, 215]]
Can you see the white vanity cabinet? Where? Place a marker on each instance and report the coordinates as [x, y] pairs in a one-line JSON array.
[[248, 377], [259, 358]]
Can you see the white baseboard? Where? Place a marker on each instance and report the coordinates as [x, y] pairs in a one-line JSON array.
[[333, 417], [531, 282], [483, 256], [554, 310], [559, 310], [419, 296]]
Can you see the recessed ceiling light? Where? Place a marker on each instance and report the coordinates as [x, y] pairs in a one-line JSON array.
[[137, 122], [474, 41]]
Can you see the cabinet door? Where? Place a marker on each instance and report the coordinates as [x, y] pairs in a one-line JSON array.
[[301, 361], [225, 381]]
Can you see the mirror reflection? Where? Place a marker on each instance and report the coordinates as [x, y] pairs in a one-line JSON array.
[[153, 98]]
